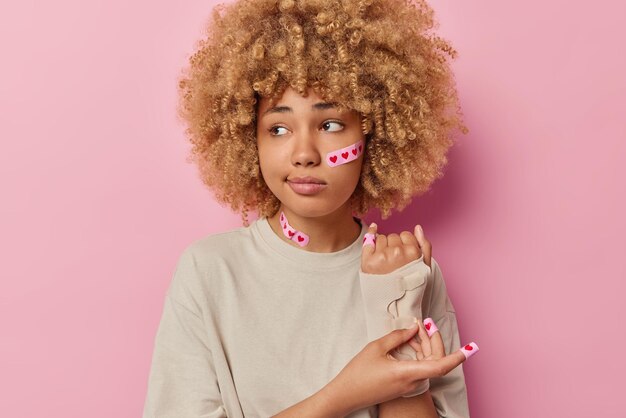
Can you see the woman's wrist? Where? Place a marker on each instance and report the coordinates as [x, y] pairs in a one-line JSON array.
[[331, 402], [415, 406], [326, 403]]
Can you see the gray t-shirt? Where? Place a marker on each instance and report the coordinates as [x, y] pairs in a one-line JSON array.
[[252, 325]]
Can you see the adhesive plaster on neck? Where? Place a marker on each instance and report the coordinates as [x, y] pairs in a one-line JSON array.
[[291, 233]]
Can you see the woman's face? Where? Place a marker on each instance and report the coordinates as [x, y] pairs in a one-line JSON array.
[[293, 138]]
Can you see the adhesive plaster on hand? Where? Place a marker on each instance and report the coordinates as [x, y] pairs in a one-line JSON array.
[[369, 239], [469, 350], [291, 233], [345, 155], [430, 326]]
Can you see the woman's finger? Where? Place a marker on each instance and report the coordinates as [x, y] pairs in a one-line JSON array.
[[418, 349], [408, 238], [437, 348], [469, 350], [381, 242], [424, 244], [393, 240], [388, 342], [369, 240], [424, 340], [411, 246], [435, 368]]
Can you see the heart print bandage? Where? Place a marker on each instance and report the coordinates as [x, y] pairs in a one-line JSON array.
[[344, 155], [430, 326], [293, 234], [369, 239], [469, 350]]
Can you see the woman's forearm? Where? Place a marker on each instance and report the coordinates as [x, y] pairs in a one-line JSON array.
[[420, 406], [323, 404]]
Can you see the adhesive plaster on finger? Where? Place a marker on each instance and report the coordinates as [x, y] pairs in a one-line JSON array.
[[369, 239], [430, 326], [291, 233], [469, 350], [345, 155]]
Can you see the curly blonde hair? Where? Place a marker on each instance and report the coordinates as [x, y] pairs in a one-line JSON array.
[[375, 57]]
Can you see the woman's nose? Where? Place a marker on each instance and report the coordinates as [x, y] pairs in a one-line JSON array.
[[305, 152]]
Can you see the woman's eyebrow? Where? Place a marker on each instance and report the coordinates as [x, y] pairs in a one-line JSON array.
[[287, 109]]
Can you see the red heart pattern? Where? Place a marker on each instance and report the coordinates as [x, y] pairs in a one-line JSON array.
[[348, 154], [427, 326], [372, 237], [292, 233], [469, 350]]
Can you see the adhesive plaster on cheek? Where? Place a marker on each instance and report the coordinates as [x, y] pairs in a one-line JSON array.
[[469, 350], [291, 233], [344, 155]]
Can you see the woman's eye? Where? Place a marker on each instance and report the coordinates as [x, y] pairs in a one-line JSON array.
[[330, 123], [274, 128]]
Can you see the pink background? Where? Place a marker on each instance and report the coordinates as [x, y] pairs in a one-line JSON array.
[[98, 202]]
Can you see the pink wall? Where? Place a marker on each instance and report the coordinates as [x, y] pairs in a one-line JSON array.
[[97, 202]]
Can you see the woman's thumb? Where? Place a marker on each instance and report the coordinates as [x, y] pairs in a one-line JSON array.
[[399, 336]]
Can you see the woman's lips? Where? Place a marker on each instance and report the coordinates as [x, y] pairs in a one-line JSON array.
[[306, 188]]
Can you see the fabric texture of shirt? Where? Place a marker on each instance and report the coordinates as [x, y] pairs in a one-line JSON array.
[[252, 325]]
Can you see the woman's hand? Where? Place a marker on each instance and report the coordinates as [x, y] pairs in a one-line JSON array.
[[384, 254], [388, 253], [420, 405], [373, 376]]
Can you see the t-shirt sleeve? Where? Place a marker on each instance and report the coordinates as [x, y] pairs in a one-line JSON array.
[[182, 380], [449, 392], [391, 301]]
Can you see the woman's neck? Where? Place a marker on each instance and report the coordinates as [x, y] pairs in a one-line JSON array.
[[329, 233]]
